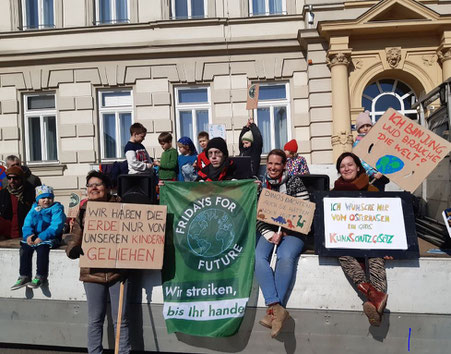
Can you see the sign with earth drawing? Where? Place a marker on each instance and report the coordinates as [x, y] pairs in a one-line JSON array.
[[252, 96], [402, 150], [209, 256], [283, 210]]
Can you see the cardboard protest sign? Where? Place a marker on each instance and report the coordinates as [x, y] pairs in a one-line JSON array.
[[373, 223], [365, 224], [283, 210], [252, 96], [121, 235], [217, 131], [402, 150], [74, 205]]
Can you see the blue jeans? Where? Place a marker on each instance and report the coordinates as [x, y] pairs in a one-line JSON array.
[[97, 295], [275, 285], [42, 260]]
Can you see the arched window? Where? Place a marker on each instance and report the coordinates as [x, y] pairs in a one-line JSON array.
[[383, 94]]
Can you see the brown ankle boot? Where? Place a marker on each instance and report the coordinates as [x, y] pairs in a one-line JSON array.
[[376, 297], [280, 315], [267, 320], [374, 318]]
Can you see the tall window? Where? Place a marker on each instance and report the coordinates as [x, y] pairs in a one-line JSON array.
[[115, 113], [267, 7], [183, 9], [383, 94], [192, 111], [272, 115], [112, 11], [40, 128], [38, 14]]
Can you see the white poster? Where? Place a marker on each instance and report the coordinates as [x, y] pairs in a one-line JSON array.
[[364, 223], [217, 131]]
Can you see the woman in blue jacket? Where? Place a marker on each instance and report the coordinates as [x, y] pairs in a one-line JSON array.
[[42, 230]]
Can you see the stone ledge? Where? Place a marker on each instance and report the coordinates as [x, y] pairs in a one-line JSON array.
[[46, 169]]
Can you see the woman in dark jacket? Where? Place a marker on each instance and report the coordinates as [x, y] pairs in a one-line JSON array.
[[251, 144], [354, 178], [15, 203], [221, 168], [275, 285], [99, 283]]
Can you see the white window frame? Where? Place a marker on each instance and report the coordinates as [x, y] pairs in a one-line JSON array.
[[116, 110], [40, 16], [194, 107], [41, 113], [272, 104], [401, 99], [174, 16], [251, 9], [113, 14]]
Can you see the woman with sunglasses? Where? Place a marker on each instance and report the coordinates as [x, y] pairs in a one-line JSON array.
[[15, 203], [99, 283]]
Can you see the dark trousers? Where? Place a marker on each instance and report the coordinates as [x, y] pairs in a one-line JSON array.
[[26, 257]]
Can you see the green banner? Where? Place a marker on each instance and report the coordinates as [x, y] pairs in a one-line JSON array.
[[209, 255]]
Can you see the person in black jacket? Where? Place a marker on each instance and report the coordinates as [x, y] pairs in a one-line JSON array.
[[251, 144], [15, 202], [221, 168]]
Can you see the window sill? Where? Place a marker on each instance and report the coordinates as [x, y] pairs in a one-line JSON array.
[[43, 170]]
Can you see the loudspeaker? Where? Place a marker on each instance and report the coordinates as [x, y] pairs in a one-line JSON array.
[[242, 167], [315, 183], [138, 188]]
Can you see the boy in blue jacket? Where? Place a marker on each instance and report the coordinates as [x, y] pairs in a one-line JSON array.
[[42, 230]]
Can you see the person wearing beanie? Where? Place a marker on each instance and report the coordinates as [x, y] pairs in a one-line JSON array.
[[296, 164], [221, 168], [251, 144], [187, 160], [15, 202], [363, 125], [42, 230]]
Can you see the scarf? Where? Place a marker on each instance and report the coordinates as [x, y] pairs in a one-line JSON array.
[[358, 184], [218, 173], [18, 192], [278, 184]]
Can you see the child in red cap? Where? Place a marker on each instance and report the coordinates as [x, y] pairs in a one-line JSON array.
[[296, 164]]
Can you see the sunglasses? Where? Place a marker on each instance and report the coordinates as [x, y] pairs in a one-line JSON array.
[[16, 178]]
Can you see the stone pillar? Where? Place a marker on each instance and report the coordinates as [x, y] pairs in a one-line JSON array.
[[444, 55], [338, 62]]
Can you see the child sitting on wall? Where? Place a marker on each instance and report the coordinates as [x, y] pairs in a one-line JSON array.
[[42, 230], [296, 164]]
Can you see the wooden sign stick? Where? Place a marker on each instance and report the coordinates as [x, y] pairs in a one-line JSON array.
[[119, 318]]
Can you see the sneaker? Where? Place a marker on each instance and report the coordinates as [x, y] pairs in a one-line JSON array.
[[36, 283], [21, 282]]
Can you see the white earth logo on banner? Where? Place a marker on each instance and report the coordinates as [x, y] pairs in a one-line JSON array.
[[205, 224]]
